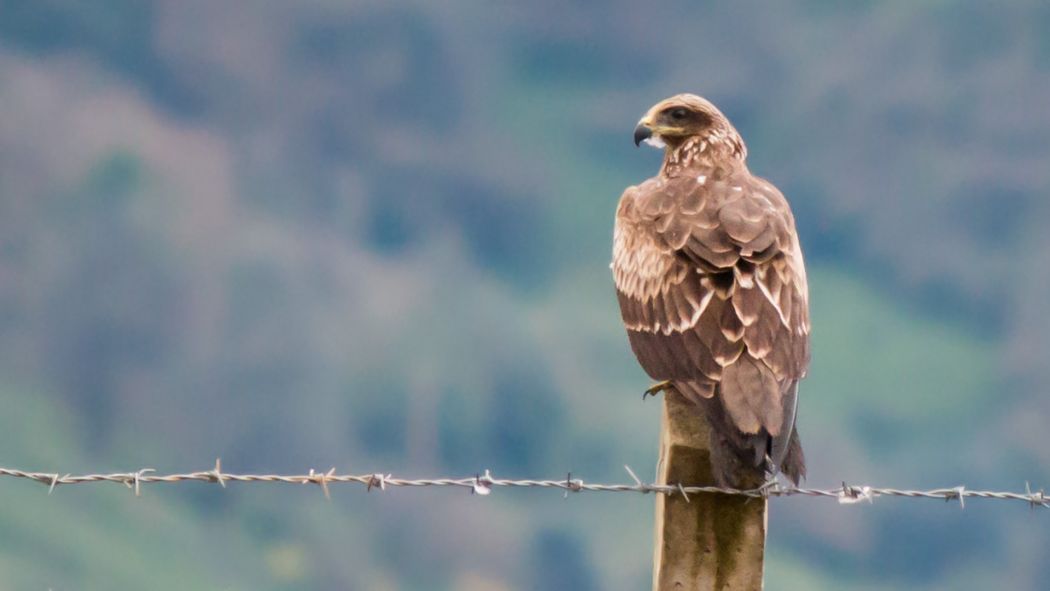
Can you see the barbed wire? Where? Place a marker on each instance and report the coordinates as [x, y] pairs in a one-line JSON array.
[[483, 483]]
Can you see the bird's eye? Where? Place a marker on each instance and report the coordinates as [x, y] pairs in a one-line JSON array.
[[678, 114]]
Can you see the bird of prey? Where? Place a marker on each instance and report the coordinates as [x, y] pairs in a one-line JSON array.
[[712, 289]]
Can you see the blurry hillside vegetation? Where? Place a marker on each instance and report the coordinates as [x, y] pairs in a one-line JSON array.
[[375, 235]]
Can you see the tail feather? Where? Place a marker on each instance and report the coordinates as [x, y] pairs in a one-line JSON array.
[[780, 443], [745, 460], [794, 464]]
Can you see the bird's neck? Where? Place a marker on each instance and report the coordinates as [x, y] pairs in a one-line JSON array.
[[712, 151]]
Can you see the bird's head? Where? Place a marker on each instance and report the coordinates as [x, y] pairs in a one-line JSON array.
[[673, 121]]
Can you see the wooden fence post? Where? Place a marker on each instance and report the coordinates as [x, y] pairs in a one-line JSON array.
[[711, 542]]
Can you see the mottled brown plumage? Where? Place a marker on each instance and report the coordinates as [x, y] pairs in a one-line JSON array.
[[712, 287]]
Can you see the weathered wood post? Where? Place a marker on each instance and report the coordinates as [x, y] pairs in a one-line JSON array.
[[711, 542]]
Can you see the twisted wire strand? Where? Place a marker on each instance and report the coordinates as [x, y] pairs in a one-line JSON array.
[[483, 483]]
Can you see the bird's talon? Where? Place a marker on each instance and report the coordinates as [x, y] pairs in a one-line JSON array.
[[656, 389]]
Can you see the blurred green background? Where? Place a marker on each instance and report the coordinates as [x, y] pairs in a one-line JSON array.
[[375, 236]]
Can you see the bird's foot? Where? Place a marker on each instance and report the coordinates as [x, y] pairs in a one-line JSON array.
[[657, 388]]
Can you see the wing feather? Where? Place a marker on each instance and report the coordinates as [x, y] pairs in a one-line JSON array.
[[713, 290]]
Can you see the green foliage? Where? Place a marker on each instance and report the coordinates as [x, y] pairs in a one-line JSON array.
[[875, 356]]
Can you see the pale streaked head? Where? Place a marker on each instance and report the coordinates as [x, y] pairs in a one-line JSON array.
[[673, 120]]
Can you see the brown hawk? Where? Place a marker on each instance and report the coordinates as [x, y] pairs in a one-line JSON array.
[[712, 288]]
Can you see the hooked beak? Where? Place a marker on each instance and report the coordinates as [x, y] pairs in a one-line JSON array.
[[642, 132]]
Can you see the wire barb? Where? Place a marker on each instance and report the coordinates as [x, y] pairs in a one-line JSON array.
[[572, 485], [681, 489], [958, 493], [644, 488], [855, 494], [482, 484], [133, 480], [1036, 499], [321, 478], [54, 483], [377, 480], [217, 473]]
